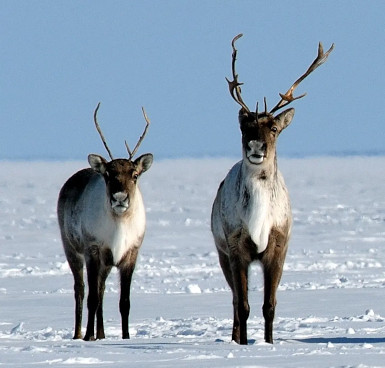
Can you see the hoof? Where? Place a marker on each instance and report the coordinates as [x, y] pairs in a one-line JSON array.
[[89, 338]]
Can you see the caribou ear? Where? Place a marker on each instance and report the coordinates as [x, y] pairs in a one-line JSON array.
[[284, 119], [98, 163], [144, 162]]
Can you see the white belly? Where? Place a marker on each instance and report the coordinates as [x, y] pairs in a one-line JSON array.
[[125, 237], [259, 219]]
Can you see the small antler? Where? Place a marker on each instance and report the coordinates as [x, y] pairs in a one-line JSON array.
[[288, 96], [132, 153], [234, 85], [100, 131]]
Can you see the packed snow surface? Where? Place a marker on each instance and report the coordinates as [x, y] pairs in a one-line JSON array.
[[331, 300]]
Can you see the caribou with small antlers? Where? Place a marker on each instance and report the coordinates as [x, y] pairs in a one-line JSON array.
[[251, 216], [102, 223]]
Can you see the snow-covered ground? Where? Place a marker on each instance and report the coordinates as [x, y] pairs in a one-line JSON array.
[[331, 301]]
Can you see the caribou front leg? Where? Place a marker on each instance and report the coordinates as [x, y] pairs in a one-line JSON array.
[[94, 278], [240, 299], [269, 304], [272, 261], [126, 272], [99, 313]]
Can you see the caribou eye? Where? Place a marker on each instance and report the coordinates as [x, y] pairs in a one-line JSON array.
[[274, 129], [135, 176]]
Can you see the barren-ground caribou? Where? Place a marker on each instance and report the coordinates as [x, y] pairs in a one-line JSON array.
[[102, 223], [251, 215]]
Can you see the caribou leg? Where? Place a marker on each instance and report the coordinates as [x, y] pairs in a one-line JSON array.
[[126, 272], [272, 261]]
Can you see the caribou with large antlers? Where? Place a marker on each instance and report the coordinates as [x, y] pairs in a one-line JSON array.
[[251, 216], [102, 223]]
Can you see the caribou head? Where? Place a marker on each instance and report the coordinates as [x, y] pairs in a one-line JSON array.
[[260, 130], [121, 174]]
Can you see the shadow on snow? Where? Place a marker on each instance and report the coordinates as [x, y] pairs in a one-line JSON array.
[[342, 340]]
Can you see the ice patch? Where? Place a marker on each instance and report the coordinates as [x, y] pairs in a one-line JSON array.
[[193, 289], [84, 361]]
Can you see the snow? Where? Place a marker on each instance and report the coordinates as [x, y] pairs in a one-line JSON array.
[[331, 300]]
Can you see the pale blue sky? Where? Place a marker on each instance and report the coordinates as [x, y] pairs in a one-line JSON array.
[[60, 58]]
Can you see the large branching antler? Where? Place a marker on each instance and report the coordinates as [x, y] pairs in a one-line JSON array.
[[100, 131], [288, 96], [234, 85], [132, 153]]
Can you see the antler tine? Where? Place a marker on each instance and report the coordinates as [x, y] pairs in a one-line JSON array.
[[100, 131], [132, 153], [234, 85], [288, 96]]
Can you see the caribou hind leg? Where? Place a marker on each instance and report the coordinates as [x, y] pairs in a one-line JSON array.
[[79, 297], [76, 263]]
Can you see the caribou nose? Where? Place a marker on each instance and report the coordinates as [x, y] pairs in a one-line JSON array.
[[120, 196], [256, 145]]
